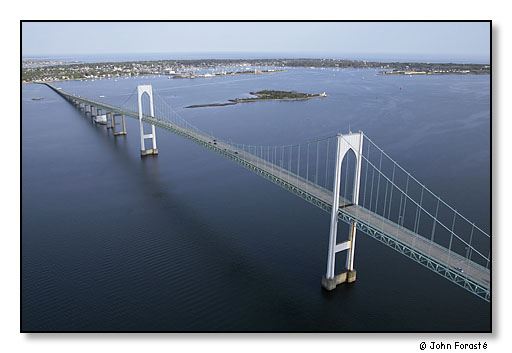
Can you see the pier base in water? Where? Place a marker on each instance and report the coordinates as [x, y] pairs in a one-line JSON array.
[[331, 283], [149, 151], [114, 125]]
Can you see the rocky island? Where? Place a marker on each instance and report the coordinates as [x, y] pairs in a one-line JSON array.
[[265, 95]]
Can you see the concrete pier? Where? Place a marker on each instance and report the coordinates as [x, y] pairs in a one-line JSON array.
[[331, 283], [149, 151], [109, 120], [114, 124]]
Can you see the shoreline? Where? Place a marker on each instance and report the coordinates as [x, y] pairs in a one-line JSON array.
[[186, 68], [420, 73], [222, 74]]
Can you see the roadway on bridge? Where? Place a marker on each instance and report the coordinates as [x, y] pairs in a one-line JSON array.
[[441, 255], [431, 250]]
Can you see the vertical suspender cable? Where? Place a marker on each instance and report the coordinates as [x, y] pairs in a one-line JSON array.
[[378, 183], [418, 213], [298, 163], [282, 156], [366, 176], [327, 165], [371, 192], [470, 241], [290, 159], [307, 164], [385, 200], [405, 198], [316, 164], [391, 191], [346, 176], [435, 221]]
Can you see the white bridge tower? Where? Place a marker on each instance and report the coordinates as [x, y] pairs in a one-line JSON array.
[[354, 142], [143, 151]]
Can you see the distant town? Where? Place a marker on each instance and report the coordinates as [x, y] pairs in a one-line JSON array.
[[54, 70], [46, 62]]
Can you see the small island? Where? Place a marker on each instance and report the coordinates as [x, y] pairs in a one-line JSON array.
[[265, 95]]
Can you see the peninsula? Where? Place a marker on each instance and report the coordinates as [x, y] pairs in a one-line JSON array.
[[265, 95]]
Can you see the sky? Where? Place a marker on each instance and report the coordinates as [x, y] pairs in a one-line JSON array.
[[456, 41]]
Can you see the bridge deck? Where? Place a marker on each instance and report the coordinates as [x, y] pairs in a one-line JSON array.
[[441, 255], [470, 270], [473, 271]]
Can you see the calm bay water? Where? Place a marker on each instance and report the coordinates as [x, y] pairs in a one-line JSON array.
[[189, 240]]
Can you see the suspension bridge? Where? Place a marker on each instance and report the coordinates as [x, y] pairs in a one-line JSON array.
[[346, 175]]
